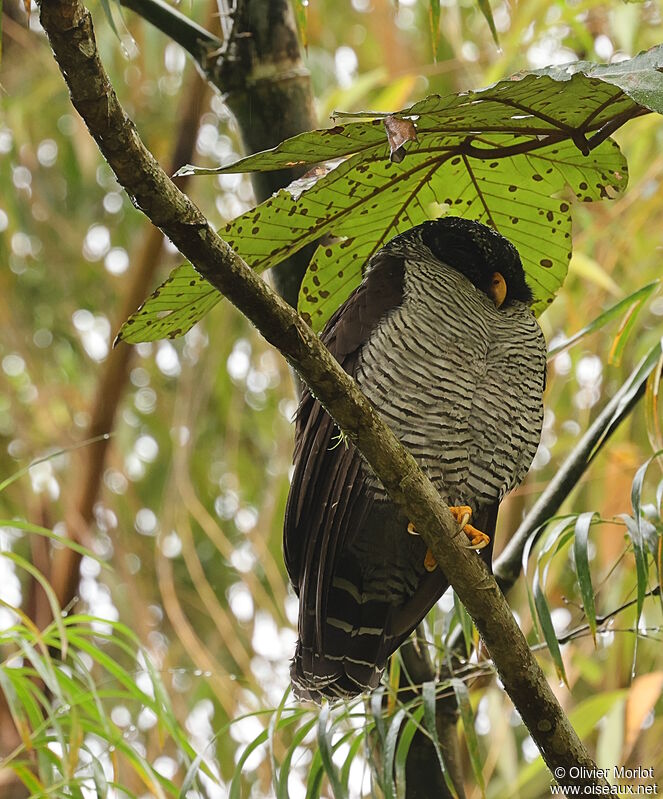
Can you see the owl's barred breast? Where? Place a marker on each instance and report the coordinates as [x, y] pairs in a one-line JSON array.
[[460, 383]]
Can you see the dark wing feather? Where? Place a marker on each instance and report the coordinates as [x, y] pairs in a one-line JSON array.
[[327, 500], [316, 459]]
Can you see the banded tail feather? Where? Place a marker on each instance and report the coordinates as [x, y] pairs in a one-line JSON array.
[[372, 607]]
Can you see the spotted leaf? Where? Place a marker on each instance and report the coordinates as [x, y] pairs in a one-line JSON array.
[[513, 155]]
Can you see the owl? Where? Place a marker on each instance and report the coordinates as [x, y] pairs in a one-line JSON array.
[[440, 337]]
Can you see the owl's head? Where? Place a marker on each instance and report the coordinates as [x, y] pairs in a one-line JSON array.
[[480, 253]]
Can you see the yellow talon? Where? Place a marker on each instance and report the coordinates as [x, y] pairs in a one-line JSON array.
[[478, 540], [430, 564], [462, 514]]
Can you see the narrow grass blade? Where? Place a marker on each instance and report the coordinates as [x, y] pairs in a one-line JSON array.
[[465, 623], [355, 746], [394, 682], [428, 696], [411, 726], [298, 737], [24, 773], [389, 752], [36, 529], [545, 620], [235, 785], [637, 298], [634, 527], [56, 611], [325, 748], [377, 713], [625, 329], [16, 708], [315, 775], [652, 415], [486, 10], [271, 731], [23, 471], [471, 740], [580, 543]]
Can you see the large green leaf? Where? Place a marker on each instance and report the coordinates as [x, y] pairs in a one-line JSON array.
[[639, 78], [173, 309], [570, 101], [502, 155], [518, 195]]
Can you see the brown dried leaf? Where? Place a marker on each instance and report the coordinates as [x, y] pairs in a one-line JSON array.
[[399, 131], [297, 187]]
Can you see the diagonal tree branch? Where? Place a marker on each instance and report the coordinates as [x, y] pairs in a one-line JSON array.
[[260, 72], [264, 82], [69, 28]]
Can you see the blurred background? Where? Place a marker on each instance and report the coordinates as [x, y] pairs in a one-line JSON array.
[[181, 626]]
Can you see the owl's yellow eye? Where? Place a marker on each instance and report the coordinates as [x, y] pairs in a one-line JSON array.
[[497, 289]]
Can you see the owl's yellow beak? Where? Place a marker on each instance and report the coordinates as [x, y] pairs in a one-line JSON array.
[[497, 289]]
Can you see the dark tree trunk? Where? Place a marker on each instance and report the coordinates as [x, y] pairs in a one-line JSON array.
[[268, 89]]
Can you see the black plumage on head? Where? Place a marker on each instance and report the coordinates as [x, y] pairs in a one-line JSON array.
[[476, 251]]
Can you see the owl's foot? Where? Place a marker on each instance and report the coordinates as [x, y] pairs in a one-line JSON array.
[[462, 514], [430, 564]]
